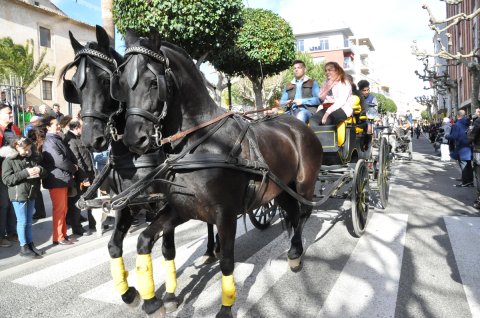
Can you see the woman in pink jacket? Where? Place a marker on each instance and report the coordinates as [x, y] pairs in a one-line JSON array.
[[335, 96]]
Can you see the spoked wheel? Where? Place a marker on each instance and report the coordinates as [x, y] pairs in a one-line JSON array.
[[383, 173], [360, 199], [263, 216]]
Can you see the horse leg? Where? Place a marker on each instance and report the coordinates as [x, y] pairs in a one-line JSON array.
[[227, 227], [152, 305], [168, 249], [117, 267], [209, 256], [297, 215]]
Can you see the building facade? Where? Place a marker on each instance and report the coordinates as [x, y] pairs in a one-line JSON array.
[[42, 22], [464, 39]]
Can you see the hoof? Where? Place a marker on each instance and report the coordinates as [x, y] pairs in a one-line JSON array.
[[295, 264], [225, 312], [208, 259], [154, 308], [170, 302], [131, 297]]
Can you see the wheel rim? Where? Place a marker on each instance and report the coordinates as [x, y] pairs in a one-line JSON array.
[[383, 174], [360, 198], [264, 214]]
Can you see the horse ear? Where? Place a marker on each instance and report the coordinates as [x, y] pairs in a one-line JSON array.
[[75, 44], [130, 37], [102, 38], [156, 38]]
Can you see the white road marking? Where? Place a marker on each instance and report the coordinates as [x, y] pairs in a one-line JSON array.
[[191, 251], [368, 284], [464, 234]]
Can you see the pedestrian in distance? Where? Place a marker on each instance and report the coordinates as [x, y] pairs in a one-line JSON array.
[[335, 96], [462, 152], [444, 147], [21, 173], [56, 111], [299, 96]]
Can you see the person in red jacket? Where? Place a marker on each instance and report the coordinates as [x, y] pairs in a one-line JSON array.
[[8, 221]]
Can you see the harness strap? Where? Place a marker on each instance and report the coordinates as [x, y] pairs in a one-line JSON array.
[[92, 190], [182, 134]]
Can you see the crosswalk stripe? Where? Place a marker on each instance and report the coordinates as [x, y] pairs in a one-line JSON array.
[[368, 284], [190, 251], [464, 234], [74, 266], [258, 273]]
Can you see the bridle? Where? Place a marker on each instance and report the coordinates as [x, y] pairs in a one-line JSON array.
[[163, 84], [90, 55]]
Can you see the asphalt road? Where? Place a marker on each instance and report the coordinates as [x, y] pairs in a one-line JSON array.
[[418, 258]]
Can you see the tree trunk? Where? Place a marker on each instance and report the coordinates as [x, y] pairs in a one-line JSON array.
[[257, 90], [107, 20], [474, 70]]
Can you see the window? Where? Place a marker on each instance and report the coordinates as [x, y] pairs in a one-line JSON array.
[[324, 44], [47, 90], [300, 46], [45, 37]]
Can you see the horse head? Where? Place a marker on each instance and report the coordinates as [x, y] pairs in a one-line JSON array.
[[160, 86], [90, 87]]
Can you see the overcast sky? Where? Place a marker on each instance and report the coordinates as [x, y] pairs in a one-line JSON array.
[[391, 31]]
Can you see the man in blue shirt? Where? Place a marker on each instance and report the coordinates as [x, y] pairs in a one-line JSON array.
[[300, 94]]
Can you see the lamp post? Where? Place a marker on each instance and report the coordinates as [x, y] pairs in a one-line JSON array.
[[229, 88]]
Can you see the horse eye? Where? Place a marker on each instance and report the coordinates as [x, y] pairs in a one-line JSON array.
[[154, 83]]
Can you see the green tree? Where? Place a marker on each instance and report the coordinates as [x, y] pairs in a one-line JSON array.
[[385, 104], [242, 91], [200, 27], [18, 60], [264, 47]]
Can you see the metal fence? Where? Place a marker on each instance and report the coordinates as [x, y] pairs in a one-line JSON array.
[[15, 95]]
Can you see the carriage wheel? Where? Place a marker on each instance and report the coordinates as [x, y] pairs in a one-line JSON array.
[[360, 200], [383, 173], [263, 216]]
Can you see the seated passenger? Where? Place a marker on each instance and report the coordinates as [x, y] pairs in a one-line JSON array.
[[370, 100], [335, 96], [300, 94]]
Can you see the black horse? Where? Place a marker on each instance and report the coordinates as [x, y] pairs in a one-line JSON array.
[[103, 124], [219, 164]]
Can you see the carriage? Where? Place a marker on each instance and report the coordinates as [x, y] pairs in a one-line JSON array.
[[348, 157], [156, 91]]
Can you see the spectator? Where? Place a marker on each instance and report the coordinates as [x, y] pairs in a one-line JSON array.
[[83, 177], [335, 96], [34, 121], [3, 99], [444, 148], [300, 94], [64, 125], [8, 131], [462, 152], [60, 167], [100, 160], [44, 110], [37, 136], [474, 138], [21, 174], [56, 111]]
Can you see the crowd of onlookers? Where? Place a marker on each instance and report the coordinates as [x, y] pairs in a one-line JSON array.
[[48, 153], [459, 139]]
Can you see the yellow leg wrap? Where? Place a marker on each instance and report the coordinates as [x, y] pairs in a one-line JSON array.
[[171, 276], [119, 275], [228, 290], [146, 287]]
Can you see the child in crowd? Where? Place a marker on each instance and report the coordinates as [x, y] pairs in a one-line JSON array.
[[21, 174]]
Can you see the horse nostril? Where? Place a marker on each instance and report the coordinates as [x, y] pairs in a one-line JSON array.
[[143, 142]]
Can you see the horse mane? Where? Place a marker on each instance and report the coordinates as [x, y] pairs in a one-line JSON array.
[[178, 49]]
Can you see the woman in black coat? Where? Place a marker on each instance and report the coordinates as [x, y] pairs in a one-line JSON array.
[[59, 163]]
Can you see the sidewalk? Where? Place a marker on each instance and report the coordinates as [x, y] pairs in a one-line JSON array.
[[42, 237]]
